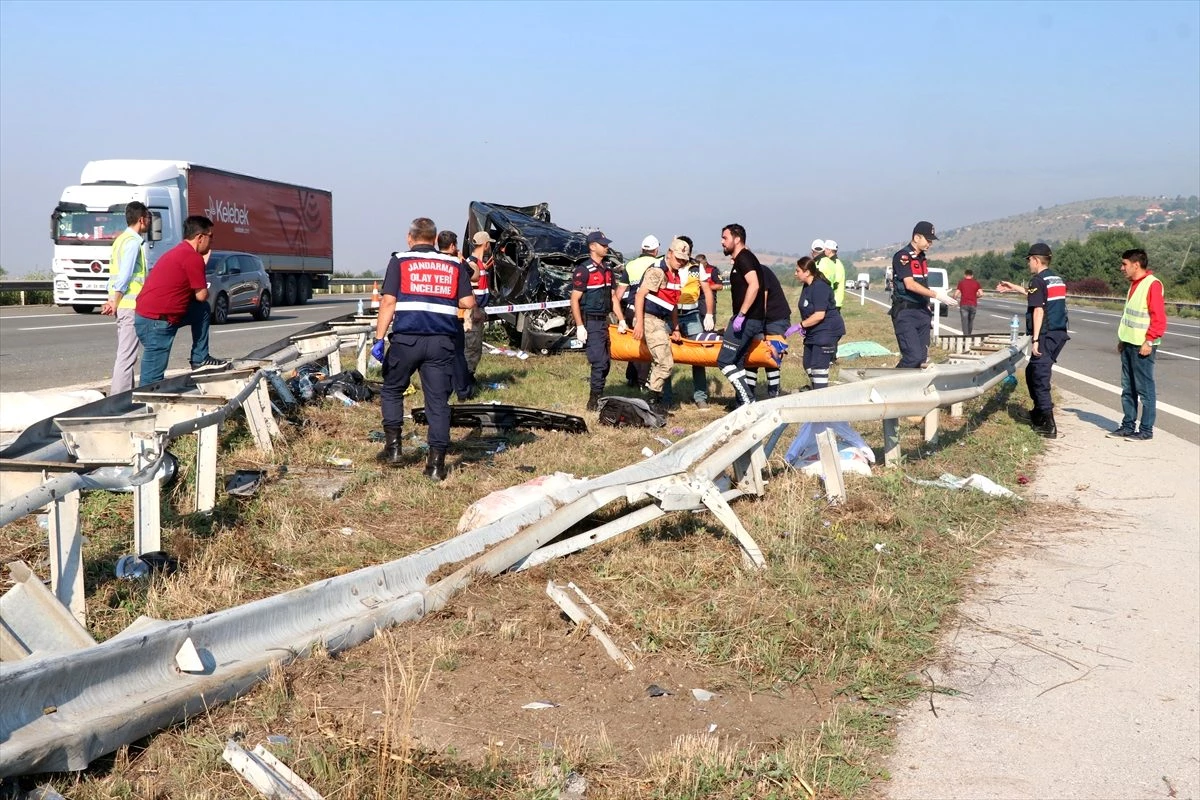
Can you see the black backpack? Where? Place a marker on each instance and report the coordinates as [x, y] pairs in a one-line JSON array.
[[628, 412]]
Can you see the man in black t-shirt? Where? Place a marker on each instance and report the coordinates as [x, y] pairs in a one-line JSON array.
[[778, 319], [746, 285]]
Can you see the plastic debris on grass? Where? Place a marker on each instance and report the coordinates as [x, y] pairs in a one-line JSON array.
[[974, 481], [856, 455], [849, 351]]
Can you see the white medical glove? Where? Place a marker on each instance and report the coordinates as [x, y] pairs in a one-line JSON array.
[[709, 322], [622, 327], [581, 333]]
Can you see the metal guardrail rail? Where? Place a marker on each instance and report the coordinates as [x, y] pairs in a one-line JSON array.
[[63, 710]]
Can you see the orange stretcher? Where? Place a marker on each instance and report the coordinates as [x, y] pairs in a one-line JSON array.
[[623, 347]]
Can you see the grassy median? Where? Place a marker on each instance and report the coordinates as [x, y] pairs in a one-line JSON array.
[[808, 659]]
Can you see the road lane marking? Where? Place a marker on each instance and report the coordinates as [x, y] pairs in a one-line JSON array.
[[1187, 416], [1162, 352], [68, 327], [267, 327]]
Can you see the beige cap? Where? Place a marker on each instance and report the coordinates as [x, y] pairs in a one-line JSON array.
[[482, 238], [681, 249]]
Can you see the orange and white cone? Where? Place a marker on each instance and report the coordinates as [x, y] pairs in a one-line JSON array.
[[375, 297]]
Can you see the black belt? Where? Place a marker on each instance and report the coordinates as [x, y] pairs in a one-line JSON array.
[[899, 303], [596, 316]]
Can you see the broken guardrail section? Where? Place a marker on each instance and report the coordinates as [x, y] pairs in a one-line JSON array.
[[63, 710]]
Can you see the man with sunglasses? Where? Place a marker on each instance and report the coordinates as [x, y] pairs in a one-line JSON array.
[[176, 294]]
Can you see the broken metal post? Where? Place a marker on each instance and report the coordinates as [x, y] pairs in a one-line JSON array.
[[831, 467], [206, 469], [360, 351], [751, 555], [147, 535], [580, 617], [66, 554], [891, 442], [335, 361], [956, 410], [931, 425], [32, 620]]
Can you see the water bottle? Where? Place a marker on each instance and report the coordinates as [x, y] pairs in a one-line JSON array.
[[359, 311], [1014, 326], [338, 394]]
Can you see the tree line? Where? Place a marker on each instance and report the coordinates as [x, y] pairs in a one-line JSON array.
[[1093, 266]]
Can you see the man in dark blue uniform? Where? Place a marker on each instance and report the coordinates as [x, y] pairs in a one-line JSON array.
[[912, 317], [594, 295], [1046, 324], [422, 292]]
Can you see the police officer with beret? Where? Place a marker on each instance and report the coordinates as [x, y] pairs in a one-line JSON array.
[[594, 295], [1046, 324], [422, 292], [912, 317]]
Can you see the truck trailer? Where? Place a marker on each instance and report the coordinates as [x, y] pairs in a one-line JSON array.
[[289, 227]]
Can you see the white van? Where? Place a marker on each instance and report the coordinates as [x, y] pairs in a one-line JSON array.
[[939, 279], [864, 281]]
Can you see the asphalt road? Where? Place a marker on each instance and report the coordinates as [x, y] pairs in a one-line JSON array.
[[43, 347], [1089, 365]]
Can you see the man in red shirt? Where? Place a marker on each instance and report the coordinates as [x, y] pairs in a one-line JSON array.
[[967, 293], [175, 294]]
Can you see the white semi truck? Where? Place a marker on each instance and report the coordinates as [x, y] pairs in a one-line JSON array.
[[289, 227]]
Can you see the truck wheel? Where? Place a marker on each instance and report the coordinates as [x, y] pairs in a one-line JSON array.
[[220, 313], [290, 290], [277, 288], [305, 290], [84, 309], [263, 312]]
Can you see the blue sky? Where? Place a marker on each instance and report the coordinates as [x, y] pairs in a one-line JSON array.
[[799, 120]]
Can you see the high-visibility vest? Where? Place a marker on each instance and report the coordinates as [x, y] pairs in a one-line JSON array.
[[661, 302], [1135, 321], [129, 299]]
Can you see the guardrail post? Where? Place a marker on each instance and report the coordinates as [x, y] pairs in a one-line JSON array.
[[931, 425], [147, 533], [206, 469], [831, 467], [66, 554], [891, 442], [262, 396], [956, 410]]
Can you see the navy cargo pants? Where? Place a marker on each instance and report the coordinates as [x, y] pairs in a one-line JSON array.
[[912, 326], [433, 356], [597, 350], [732, 358], [1040, 368]]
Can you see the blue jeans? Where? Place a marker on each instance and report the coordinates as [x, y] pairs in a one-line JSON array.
[[691, 325], [1137, 381], [158, 336]]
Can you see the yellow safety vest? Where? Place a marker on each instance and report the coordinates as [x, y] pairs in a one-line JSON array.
[[129, 299], [1135, 321]]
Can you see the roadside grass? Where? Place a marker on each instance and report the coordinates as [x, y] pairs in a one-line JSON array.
[[849, 607]]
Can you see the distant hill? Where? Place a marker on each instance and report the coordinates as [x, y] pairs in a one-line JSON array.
[[1055, 224]]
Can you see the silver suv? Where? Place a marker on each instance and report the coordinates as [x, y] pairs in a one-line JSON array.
[[237, 283]]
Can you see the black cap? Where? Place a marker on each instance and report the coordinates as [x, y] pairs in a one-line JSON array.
[[598, 237], [925, 229], [1039, 249]]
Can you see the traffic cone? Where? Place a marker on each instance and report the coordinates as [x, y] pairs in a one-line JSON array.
[[375, 298]]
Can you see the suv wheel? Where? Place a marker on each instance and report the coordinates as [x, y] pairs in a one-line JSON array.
[[221, 310], [263, 312]]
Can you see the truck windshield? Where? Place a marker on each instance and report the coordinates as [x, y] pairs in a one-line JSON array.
[[89, 227]]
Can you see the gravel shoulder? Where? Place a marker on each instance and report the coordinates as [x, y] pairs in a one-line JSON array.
[[1077, 660]]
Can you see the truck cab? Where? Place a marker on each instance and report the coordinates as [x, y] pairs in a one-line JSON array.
[[90, 215]]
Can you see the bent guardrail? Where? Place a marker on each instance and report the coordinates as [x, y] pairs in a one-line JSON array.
[[62, 711]]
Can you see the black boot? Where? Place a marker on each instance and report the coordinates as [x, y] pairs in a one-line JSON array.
[[1047, 429], [1036, 417], [391, 452], [435, 465], [656, 404], [593, 401]]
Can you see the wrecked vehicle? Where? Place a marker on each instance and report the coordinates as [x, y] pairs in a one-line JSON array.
[[534, 260]]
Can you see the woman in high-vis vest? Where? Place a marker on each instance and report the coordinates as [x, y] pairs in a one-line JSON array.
[[1142, 325], [127, 273]]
